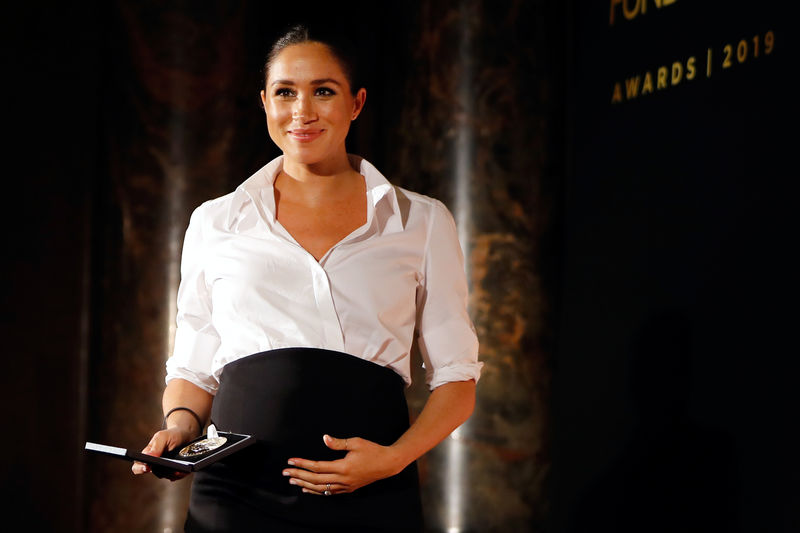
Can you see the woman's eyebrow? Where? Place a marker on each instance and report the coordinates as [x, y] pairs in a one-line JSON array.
[[324, 81], [320, 81]]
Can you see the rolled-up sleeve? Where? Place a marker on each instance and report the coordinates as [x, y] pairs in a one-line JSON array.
[[196, 340], [445, 333]]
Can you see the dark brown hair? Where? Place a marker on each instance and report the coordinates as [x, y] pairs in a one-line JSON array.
[[338, 44]]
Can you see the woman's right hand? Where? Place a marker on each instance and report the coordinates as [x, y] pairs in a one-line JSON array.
[[186, 405], [163, 441]]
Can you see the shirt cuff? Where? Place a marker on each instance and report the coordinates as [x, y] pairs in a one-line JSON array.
[[207, 383], [193, 358], [456, 372]]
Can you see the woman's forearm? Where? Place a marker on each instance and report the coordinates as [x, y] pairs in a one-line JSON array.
[[448, 406], [182, 393]]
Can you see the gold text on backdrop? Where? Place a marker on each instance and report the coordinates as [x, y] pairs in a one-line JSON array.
[[633, 8]]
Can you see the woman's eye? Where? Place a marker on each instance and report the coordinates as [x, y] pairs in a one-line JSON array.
[[324, 91], [284, 92]]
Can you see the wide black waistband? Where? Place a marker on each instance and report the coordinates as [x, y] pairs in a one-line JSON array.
[[295, 395]]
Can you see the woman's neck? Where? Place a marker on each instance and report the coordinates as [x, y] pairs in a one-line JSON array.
[[311, 172], [317, 184]]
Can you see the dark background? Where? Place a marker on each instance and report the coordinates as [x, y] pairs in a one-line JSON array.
[[667, 258], [677, 349]]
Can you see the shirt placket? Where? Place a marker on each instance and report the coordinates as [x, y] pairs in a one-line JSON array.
[[334, 338]]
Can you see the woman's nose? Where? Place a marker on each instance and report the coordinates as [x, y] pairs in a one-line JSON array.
[[304, 109]]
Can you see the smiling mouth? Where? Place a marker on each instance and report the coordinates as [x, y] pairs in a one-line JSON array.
[[305, 135]]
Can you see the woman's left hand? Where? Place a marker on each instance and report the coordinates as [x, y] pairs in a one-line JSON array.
[[365, 462]]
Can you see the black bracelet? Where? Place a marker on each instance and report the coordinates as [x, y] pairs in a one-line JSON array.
[[199, 422]]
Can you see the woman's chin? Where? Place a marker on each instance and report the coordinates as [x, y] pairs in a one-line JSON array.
[[309, 156]]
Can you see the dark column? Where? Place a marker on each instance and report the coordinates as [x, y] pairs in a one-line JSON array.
[[480, 131], [49, 151]]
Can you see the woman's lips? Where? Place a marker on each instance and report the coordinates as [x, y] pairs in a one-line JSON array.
[[305, 136]]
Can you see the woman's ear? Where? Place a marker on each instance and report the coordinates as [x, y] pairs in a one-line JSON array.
[[263, 99], [358, 102]]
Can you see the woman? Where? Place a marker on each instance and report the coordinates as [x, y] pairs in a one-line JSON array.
[[300, 296]]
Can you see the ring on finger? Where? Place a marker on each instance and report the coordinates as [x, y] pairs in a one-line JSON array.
[[327, 490]]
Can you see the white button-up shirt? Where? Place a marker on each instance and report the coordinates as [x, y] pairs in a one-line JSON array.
[[247, 286]]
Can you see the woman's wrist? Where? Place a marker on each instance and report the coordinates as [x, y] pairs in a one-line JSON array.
[[402, 456], [185, 420]]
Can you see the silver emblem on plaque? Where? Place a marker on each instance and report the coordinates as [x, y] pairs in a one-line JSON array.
[[208, 444]]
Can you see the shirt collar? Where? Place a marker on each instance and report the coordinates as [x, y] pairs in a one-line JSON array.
[[258, 190]]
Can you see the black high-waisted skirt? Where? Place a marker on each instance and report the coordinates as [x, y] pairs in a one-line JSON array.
[[288, 399]]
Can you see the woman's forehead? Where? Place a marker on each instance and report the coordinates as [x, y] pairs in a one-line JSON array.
[[305, 62]]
